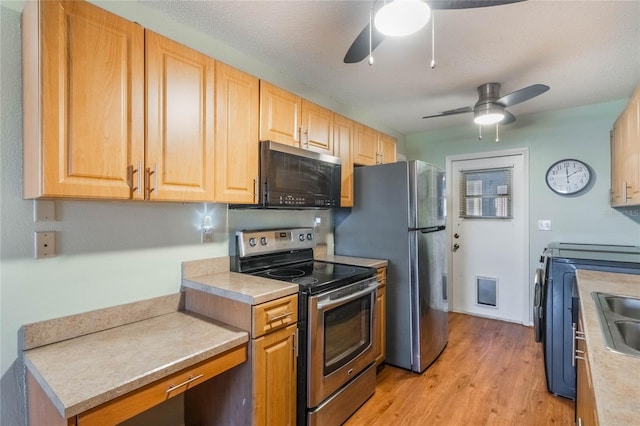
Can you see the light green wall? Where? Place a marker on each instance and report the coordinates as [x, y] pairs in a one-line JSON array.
[[581, 133], [110, 253]]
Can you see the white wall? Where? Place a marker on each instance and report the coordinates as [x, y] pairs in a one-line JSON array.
[[581, 133]]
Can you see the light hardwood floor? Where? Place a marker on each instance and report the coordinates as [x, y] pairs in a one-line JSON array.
[[490, 373]]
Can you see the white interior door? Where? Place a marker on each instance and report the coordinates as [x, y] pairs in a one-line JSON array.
[[489, 235]]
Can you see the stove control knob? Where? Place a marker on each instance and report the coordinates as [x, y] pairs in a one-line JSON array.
[[263, 241], [301, 237], [252, 242], [309, 237]]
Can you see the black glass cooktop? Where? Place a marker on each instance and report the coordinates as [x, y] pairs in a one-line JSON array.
[[315, 274]]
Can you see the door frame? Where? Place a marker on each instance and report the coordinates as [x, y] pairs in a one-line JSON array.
[[451, 192]]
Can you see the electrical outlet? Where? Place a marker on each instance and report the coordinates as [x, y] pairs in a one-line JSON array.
[[45, 244], [206, 236]]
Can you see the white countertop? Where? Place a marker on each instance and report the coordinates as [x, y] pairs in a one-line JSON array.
[[616, 377]]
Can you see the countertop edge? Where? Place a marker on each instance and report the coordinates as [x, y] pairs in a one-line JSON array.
[[352, 260], [238, 338], [609, 387]]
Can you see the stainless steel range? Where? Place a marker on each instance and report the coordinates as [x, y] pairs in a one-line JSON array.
[[336, 372]]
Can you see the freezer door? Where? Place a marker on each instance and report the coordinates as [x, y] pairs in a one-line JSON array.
[[427, 196], [428, 282]]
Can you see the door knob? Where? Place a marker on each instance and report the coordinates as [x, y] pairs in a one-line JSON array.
[[456, 247]]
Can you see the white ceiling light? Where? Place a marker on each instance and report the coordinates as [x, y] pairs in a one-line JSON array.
[[488, 114], [402, 17]]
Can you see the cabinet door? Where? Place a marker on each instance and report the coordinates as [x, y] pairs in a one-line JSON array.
[[632, 149], [387, 148], [279, 115], [317, 128], [180, 117], [84, 91], [343, 141], [274, 367], [365, 147], [586, 414], [617, 175], [236, 145]]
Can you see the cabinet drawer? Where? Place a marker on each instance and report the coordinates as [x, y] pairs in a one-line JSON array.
[[135, 402], [273, 315]]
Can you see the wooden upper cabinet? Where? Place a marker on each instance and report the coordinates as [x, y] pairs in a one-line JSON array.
[[236, 148], [280, 113], [365, 145], [625, 155], [343, 142], [317, 128], [387, 149], [180, 122], [83, 77]]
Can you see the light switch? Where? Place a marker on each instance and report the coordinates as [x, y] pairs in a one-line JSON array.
[[44, 210], [544, 225]]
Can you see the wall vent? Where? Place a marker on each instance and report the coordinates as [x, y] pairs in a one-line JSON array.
[[487, 291]]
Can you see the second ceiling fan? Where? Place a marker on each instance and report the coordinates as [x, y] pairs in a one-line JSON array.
[[371, 37]]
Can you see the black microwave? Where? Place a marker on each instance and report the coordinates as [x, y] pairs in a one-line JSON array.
[[292, 177]]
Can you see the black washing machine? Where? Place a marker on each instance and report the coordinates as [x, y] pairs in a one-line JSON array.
[[556, 304]]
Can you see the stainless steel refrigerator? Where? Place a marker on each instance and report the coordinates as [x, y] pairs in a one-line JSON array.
[[399, 214]]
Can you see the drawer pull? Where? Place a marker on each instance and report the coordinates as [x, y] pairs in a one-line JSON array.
[[278, 317], [186, 382]]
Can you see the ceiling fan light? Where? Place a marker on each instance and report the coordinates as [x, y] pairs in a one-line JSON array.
[[402, 17], [488, 115]]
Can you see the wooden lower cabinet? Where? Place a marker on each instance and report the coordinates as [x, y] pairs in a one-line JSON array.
[[381, 318], [586, 414], [274, 376], [262, 391]]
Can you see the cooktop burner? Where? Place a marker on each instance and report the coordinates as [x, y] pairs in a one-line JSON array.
[[316, 274], [284, 274]]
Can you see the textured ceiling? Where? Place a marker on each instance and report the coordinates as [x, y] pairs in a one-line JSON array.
[[587, 51]]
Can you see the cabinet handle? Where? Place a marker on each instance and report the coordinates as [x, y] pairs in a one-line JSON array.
[[186, 382], [627, 187], [306, 134], [131, 171], [300, 137], [573, 344], [255, 190], [271, 318], [155, 181], [295, 343], [624, 192]]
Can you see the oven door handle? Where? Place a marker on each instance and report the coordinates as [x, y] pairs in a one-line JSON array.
[[329, 304]]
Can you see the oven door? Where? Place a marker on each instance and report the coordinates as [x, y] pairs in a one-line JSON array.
[[340, 337]]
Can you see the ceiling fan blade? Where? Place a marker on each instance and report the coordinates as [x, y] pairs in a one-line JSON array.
[[522, 95], [508, 118], [467, 4], [359, 49], [462, 110]]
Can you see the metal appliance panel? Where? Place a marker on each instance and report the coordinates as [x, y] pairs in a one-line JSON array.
[[426, 195], [378, 227], [429, 322]]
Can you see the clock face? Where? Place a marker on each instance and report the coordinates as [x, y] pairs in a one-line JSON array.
[[567, 177]]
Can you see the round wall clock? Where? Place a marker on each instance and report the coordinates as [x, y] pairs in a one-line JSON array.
[[566, 177]]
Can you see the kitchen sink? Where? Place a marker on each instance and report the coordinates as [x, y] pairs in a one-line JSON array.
[[626, 306], [620, 322], [630, 332]]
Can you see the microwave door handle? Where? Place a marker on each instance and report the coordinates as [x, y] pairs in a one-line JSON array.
[[329, 304]]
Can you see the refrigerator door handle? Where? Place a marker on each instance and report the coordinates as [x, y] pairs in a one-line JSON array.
[[429, 229]]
